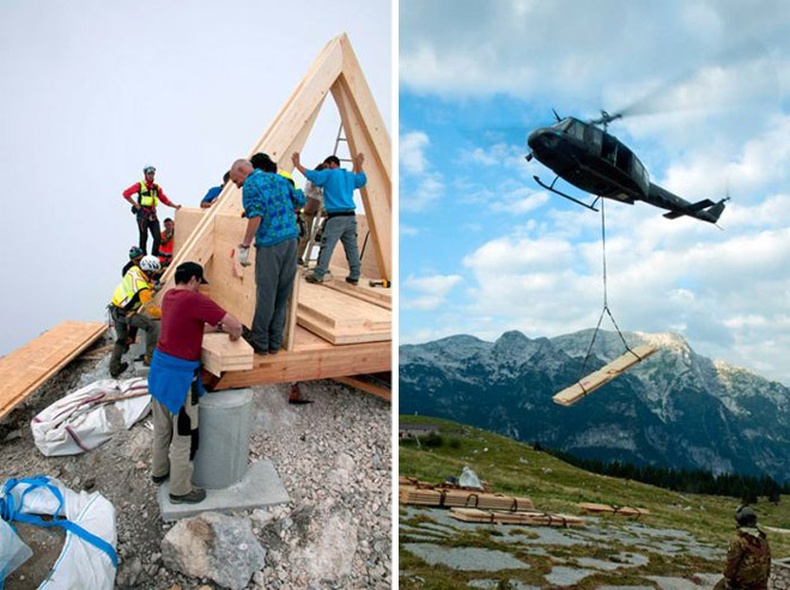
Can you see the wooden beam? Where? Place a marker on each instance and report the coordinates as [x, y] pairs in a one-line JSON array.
[[366, 133], [570, 395], [312, 358], [27, 368], [220, 353], [359, 382]]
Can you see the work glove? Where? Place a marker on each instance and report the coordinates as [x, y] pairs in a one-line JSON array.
[[244, 255]]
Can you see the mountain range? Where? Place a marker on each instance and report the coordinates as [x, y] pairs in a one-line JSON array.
[[675, 409]]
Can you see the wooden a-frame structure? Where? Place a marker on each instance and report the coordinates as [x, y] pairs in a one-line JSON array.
[[333, 330]]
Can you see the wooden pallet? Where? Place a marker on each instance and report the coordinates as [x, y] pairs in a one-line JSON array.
[[27, 368], [531, 518], [449, 498], [612, 509], [570, 395]]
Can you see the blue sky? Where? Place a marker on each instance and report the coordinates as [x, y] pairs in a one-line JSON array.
[[95, 90], [483, 249]]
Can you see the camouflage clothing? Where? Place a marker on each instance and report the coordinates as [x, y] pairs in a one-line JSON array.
[[748, 561]]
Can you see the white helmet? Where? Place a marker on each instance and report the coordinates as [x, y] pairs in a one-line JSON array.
[[150, 263]]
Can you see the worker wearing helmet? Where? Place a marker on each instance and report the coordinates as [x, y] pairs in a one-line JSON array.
[[749, 556], [144, 208], [132, 307], [135, 256]]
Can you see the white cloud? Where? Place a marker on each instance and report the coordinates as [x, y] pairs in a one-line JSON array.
[[428, 190], [430, 291], [412, 152]]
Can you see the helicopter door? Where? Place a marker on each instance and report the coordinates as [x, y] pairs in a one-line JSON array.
[[624, 159], [609, 149], [593, 137]]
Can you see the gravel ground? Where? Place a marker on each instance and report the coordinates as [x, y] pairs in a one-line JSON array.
[[333, 456]]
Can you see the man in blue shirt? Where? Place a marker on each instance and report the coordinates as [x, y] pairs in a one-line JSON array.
[[341, 222], [214, 192], [269, 201]]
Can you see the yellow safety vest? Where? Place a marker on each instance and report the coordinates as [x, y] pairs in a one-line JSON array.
[[127, 294], [148, 197], [287, 176]]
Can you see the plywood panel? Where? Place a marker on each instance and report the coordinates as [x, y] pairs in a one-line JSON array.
[[232, 285], [29, 367]]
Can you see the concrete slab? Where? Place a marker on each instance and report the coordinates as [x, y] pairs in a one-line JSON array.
[[260, 486]]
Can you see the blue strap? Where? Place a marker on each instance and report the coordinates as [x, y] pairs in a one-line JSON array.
[[10, 513]]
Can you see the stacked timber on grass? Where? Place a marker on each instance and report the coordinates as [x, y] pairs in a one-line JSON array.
[[472, 505], [27, 368], [333, 329], [529, 518], [448, 497], [593, 508]]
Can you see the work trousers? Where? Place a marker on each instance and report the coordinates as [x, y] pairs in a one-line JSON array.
[[309, 221], [176, 441], [122, 326], [343, 228], [275, 269], [148, 221]]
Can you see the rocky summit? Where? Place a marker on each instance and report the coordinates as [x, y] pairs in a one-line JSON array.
[[674, 409]]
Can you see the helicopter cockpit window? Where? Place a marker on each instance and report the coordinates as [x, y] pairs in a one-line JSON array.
[[576, 129]]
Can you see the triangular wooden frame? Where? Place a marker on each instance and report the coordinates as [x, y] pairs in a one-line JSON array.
[[335, 71]]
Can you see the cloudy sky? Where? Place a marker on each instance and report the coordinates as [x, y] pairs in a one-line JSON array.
[[483, 249], [93, 91]]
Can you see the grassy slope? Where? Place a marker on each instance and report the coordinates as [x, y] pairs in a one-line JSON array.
[[514, 468]]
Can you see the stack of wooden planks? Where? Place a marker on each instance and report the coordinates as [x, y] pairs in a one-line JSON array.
[[570, 395], [220, 353], [611, 509], [528, 518], [29, 367], [461, 498], [341, 318]]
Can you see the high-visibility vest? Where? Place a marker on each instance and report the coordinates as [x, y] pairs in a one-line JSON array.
[[148, 197], [127, 293], [287, 176]]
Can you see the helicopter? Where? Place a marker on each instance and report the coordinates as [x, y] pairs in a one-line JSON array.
[[588, 157]]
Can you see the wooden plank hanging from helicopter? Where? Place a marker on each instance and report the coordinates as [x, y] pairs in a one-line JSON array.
[[570, 395]]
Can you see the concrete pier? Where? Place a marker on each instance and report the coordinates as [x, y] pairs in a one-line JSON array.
[[221, 462]]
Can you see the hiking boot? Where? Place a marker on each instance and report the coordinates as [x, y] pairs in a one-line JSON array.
[[351, 281], [159, 479], [121, 368], [193, 497], [313, 279]]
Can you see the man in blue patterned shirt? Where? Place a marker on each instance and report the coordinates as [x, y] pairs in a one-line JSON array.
[[269, 201]]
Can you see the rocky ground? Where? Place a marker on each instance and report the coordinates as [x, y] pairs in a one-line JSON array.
[[333, 456]]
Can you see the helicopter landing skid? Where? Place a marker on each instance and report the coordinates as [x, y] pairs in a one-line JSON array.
[[560, 193]]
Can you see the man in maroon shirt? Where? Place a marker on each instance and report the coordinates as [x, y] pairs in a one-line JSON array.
[[174, 379], [144, 207]]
